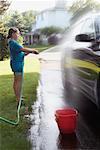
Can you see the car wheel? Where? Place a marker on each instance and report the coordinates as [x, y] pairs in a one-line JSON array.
[[98, 93]]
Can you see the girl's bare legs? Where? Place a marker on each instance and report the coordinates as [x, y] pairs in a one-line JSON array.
[[17, 89], [17, 86]]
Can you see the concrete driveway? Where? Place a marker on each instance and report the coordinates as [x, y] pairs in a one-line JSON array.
[[44, 131]]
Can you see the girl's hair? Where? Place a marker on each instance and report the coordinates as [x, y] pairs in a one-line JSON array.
[[11, 31]]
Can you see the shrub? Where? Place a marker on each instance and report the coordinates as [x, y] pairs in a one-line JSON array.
[[3, 47]]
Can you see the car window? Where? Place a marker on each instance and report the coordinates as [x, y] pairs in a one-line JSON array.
[[88, 27], [76, 29], [97, 25]]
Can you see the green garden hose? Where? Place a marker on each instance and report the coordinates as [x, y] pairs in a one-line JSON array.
[[18, 117], [18, 110]]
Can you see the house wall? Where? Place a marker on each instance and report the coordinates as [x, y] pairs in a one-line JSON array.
[[59, 18], [54, 17]]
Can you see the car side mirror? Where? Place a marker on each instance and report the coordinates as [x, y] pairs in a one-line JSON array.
[[83, 38]]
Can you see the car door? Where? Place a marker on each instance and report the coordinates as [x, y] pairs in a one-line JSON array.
[[68, 47], [84, 63]]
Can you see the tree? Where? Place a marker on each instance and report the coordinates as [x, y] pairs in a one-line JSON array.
[[29, 18], [3, 42], [16, 21], [81, 4], [2, 29], [23, 21], [4, 5], [3, 47], [50, 30]]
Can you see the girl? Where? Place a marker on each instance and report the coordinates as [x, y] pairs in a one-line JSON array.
[[17, 53]]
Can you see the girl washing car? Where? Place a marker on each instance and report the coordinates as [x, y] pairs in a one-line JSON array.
[[17, 53]]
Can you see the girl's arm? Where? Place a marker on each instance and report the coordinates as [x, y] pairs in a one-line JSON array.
[[29, 50]]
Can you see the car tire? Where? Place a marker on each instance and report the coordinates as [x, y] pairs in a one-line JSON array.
[[98, 93]]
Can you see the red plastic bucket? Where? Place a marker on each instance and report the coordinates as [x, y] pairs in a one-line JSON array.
[[66, 120]]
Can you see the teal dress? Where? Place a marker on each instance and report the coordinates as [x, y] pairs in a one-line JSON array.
[[16, 56]]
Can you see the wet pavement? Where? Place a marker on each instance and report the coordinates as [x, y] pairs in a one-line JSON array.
[[44, 132]]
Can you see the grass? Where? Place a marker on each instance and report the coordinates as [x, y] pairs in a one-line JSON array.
[[40, 47], [15, 137]]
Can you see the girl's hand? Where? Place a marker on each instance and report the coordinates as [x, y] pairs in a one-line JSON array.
[[26, 53], [35, 52]]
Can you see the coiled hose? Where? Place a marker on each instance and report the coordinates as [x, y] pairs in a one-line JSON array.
[[15, 122]]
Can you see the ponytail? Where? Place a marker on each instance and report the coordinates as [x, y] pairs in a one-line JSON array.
[[11, 31]]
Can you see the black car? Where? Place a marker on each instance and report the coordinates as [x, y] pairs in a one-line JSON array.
[[81, 58]]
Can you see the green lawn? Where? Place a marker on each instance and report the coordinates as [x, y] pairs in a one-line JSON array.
[[15, 137], [40, 47]]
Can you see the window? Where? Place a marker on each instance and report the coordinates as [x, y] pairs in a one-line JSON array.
[[88, 27], [76, 30], [42, 16], [97, 25]]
